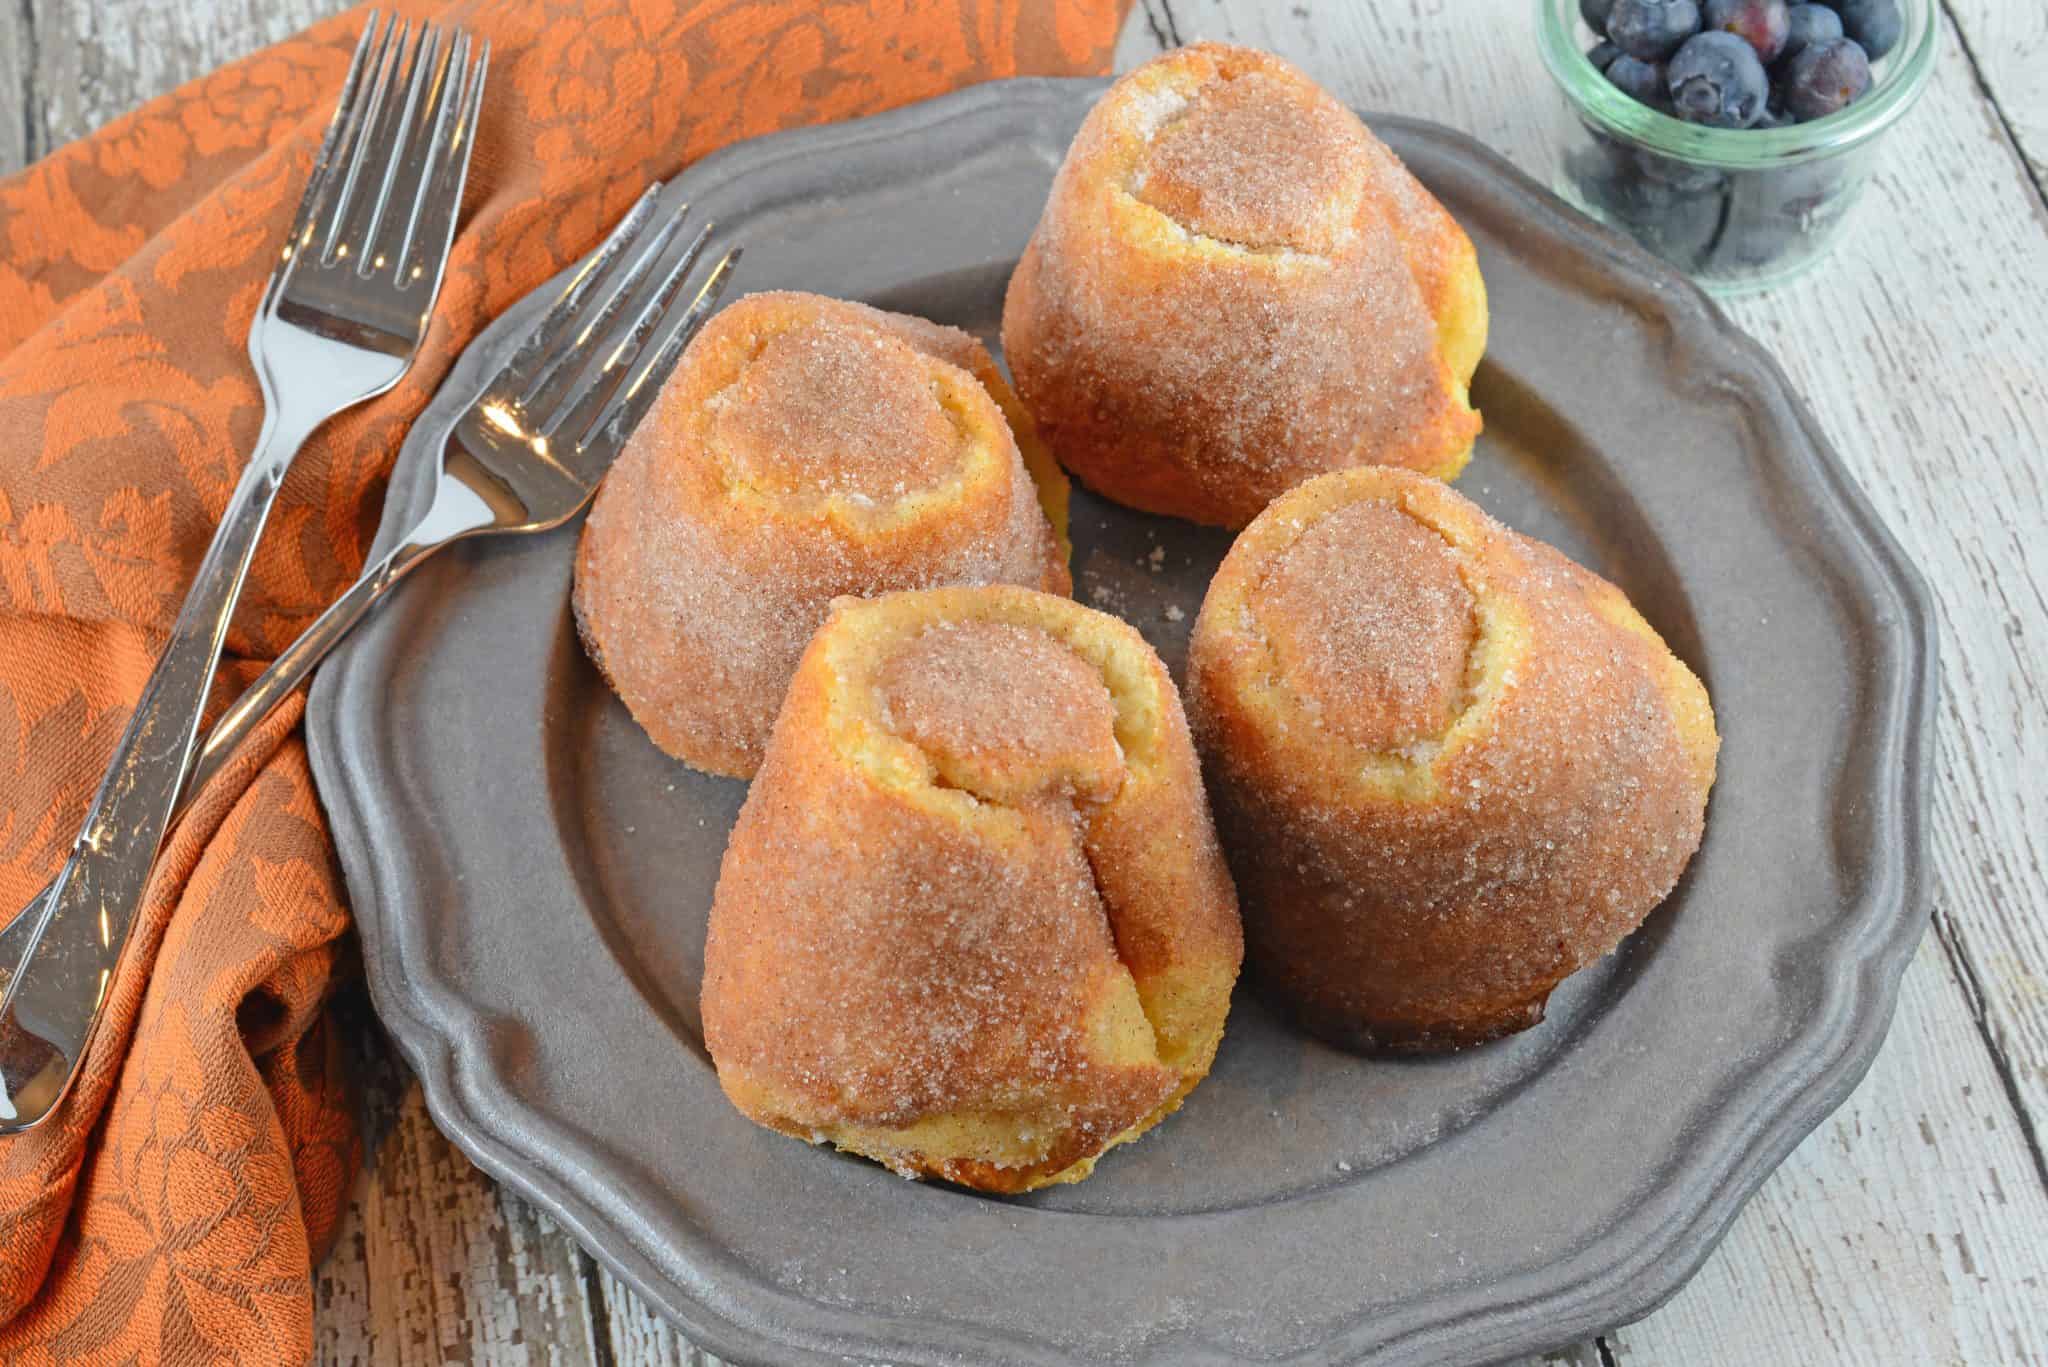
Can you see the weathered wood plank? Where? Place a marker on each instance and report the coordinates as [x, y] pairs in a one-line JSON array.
[[96, 61], [2007, 44], [642, 1338], [17, 99], [1907, 1228], [435, 1264]]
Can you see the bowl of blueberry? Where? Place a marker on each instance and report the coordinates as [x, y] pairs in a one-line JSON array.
[[1730, 137]]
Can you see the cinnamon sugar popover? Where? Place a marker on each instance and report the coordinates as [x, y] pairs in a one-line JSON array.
[[1234, 287], [1450, 766], [805, 448], [973, 922]]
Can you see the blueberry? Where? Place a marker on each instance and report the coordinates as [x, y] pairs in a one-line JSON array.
[[1806, 25], [1597, 167], [1677, 224], [1601, 162], [1685, 177], [1774, 117], [1594, 12], [1874, 24], [1640, 81], [1651, 30], [1761, 23], [1828, 77], [1602, 55], [1749, 244], [1779, 208], [1803, 192], [1717, 80]]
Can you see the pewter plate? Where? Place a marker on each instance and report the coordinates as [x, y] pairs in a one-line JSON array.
[[532, 877]]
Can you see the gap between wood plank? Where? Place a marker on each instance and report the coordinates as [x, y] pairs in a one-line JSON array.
[[1158, 18], [601, 1347], [34, 134], [1965, 969], [2019, 152]]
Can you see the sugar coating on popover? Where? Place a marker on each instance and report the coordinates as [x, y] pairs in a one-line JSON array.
[[805, 448], [1367, 613], [1235, 286], [973, 921], [1451, 767]]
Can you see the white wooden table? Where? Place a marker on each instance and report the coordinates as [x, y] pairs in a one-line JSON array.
[[1912, 1227]]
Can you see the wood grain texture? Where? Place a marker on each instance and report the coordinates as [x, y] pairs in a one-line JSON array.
[[641, 1337], [2007, 45], [94, 61], [434, 1262], [1910, 1226], [1906, 1229], [17, 94]]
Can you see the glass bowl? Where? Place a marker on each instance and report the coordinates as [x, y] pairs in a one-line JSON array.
[[1736, 209]]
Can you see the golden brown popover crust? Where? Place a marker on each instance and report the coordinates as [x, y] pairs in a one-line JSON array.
[[805, 448], [1450, 766], [1234, 287], [973, 921]]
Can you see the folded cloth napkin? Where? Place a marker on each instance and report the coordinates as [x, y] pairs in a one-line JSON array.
[[176, 1207]]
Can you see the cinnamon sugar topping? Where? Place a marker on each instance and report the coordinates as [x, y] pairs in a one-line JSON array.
[[1003, 710], [1253, 162], [1372, 624], [834, 406]]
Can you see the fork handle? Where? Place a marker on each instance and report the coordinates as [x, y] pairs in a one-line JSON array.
[[49, 1004], [456, 512], [295, 665], [270, 688]]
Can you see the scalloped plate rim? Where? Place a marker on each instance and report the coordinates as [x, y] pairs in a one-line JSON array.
[[1813, 1072]]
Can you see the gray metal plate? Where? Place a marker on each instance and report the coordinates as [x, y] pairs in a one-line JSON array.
[[532, 877]]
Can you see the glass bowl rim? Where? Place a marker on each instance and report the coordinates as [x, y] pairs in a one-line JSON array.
[[1739, 148]]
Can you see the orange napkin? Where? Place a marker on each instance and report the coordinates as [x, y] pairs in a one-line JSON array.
[[175, 1209]]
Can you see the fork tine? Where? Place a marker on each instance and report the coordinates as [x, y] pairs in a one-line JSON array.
[[474, 94], [384, 141], [657, 303], [561, 316], [542, 392], [599, 377], [403, 140], [629, 400], [331, 140], [450, 98], [435, 127], [438, 199], [333, 143], [365, 123]]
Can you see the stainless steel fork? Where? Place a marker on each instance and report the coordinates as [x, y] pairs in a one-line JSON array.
[[525, 456], [340, 321], [529, 452]]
